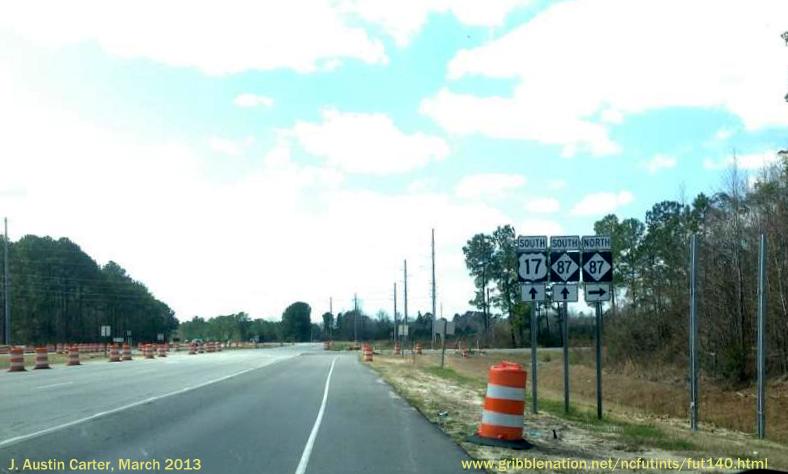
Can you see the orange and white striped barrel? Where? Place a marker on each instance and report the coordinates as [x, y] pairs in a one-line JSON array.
[[17, 359], [219, 346], [177, 347], [42, 358], [201, 348], [502, 416], [367, 353], [397, 350], [162, 350], [148, 351], [73, 355], [326, 345], [126, 352], [114, 355], [418, 348], [210, 347], [193, 348]]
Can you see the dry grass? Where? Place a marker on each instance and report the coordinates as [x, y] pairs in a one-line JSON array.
[[452, 399], [661, 395]]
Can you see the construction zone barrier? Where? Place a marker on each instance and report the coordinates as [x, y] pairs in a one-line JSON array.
[[504, 404], [126, 352], [162, 350], [326, 345], [17, 359], [367, 351], [148, 351], [201, 348], [418, 348], [397, 349], [114, 355], [73, 355], [42, 358], [210, 347], [193, 348], [219, 346]]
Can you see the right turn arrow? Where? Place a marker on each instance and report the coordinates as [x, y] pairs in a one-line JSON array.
[[599, 292]]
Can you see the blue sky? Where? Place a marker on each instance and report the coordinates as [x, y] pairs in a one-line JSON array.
[[241, 157]]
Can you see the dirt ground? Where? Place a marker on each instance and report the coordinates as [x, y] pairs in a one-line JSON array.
[[453, 400]]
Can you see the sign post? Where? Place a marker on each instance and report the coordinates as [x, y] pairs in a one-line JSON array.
[[532, 272], [693, 336], [597, 276], [565, 273], [761, 402]]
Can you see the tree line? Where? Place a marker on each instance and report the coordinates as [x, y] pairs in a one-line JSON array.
[[647, 321], [58, 293]]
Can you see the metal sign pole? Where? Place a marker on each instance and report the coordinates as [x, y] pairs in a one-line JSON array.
[[566, 358], [533, 357], [599, 360], [693, 336], [761, 402]]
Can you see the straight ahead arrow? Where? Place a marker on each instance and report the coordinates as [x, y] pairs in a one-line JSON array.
[[599, 292], [533, 293], [564, 292]]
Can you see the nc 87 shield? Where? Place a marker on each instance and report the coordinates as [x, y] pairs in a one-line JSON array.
[[598, 266], [564, 266]]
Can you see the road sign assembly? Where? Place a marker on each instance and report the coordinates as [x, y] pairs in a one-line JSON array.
[[533, 292], [564, 293]]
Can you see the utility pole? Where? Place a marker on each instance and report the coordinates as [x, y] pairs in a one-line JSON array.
[[406, 302], [396, 322], [6, 295], [434, 316], [355, 318]]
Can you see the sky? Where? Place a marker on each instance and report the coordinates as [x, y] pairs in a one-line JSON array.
[[240, 155]]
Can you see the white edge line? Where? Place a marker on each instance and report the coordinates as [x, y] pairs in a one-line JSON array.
[[301, 469], [17, 439]]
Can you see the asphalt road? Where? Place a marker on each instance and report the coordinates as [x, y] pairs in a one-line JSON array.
[[294, 409]]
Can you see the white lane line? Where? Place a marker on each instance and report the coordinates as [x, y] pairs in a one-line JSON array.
[[301, 469], [55, 385], [18, 439]]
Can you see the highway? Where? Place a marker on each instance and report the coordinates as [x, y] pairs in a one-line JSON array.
[[294, 409]]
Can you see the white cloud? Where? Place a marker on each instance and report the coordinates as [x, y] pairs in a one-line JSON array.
[[253, 100], [577, 60], [601, 203], [402, 20], [229, 147], [659, 162], [488, 185], [217, 38], [543, 205], [723, 134], [524, 117], [540, 227], [751, 161], [367, 143]]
